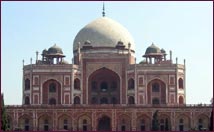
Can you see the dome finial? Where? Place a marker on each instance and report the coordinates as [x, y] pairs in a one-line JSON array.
[[103, 9]]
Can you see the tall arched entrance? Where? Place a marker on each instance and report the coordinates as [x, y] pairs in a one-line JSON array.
[[104, 87], [156, 91], [51, 92], [104, 124]]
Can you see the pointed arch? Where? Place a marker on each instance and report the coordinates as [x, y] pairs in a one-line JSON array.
[[51, 89], [143, 123], [156, 88], [104, 123], [164, 122], [124, 123], [84, 123], [131, 83], [27, 84], [77, 83], [106, 83], [202, 122], [25, 122], [180, 83], [182, 122], [27, 100], [181, 100], [65, 122], [45, 122]]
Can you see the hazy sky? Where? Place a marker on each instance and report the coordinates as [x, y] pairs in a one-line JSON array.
[[186, 28]]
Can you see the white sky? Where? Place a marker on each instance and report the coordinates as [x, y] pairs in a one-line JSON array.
[[186, 28]]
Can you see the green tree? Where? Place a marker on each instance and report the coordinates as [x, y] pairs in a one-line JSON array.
[[155, 125], [4, 123]]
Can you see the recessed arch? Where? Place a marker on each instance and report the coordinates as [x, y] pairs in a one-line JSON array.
[[27, 84], [105, 83], [77, 83], [84, 123], [104, 123], [25, 122], [131, 83], [65, 122], [202, 122], [182, 122], [27, 100], [180, 83], [51, 89], [124, 123], [181, 100], [164, 122], [143, 123], [156, 88], [131, 100], [45, 122]]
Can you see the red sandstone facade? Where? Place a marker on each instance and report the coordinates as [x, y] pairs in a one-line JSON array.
[[104, 88]]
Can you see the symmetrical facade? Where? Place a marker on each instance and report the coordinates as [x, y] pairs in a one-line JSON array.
[[104, 88]]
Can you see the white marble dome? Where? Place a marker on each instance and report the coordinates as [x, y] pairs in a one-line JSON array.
[[104, 32]]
